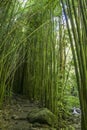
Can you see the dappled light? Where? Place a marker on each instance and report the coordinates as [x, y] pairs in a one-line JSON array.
[[43, 65]]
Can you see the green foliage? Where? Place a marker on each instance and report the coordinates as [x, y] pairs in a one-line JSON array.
[[33, 54], [71, 102], [9, 48], [78, 34]]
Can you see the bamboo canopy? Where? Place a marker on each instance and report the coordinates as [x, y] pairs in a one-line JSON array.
[[77, 13], [34, 38]]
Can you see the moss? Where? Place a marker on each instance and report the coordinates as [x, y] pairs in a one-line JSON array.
[[43, 116]]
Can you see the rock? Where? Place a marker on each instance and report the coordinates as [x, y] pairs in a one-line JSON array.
[[78, 110], [15, 117], [42, 116], [22, 117]]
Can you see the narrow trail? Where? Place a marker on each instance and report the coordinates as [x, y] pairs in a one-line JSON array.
[[13, 116]]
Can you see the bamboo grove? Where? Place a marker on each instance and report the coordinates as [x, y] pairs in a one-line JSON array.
[[33, 51], [77, 14]]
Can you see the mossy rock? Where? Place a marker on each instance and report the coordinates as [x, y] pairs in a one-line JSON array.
[[42, 116]]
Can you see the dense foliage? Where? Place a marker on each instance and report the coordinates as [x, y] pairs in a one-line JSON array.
[[42, 47]]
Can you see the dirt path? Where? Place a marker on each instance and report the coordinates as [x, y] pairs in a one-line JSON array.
[[14, 116]]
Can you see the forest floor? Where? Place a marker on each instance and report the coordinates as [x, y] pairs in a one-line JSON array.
[[13, 116]]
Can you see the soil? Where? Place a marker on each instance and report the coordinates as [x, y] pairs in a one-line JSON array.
[[13, 116]]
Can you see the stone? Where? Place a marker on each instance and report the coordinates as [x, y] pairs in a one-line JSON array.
[[42, 116]]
